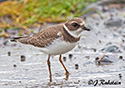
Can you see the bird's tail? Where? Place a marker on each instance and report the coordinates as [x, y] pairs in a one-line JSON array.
[[22, 39], [15, 39]]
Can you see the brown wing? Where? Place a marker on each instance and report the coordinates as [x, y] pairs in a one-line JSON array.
[[44, 37]]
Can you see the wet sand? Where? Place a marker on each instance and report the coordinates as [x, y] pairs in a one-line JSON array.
[[22, 66]]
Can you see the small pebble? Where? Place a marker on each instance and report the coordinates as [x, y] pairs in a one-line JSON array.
[[84, 18], [120, 57], [104, 9], [76, 82], [100, 41], [109, 43], [22, 58], [19, 81], [97, 23], [70, 56], [79, 46], [14, 65], [87, 57], [123, 40], [64, 58], [123, 35], [105, 36], [120, 76], [94, 50], [13, 44], [96, 58], [76, 66], [9, 53], [5, 43]]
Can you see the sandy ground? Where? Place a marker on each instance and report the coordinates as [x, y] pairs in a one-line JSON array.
[[106, 37]]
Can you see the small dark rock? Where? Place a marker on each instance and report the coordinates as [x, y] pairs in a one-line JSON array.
[[19, 81], [84, 18], [120, 76], [100, 41], [120, 57], [76, 82], [115, 35], [97, 23], [104, 9], [70, 56], [76, 66], [13, 44], [5, 43], [105, 36], [57, 75], [14, 65], [22, 58], [123, 40], [96, 58], [87, 57], [108, 43], [94, 50], [123, 36], [9, 53], [64, 58], [79, 46]]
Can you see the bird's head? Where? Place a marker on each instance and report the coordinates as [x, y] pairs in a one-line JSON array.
[[75, 26]]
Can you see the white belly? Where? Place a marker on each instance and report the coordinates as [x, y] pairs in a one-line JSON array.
[[58, 47]]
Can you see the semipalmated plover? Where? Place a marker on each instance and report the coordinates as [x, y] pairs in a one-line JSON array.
[[56, 40]]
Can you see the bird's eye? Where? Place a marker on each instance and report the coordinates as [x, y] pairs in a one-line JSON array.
[[75, 25]]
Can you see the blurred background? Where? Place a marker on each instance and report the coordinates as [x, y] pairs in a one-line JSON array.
[[21, 66], [25, 14]]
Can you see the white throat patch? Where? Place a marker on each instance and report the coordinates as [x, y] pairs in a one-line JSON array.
[[75, 34]]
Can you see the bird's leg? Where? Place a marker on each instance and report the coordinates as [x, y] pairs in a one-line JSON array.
[[48, 63], [67, 72]]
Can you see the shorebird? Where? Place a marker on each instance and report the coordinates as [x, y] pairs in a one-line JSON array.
[[56, 40]]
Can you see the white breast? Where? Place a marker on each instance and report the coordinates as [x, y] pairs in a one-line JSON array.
[[58, 47]]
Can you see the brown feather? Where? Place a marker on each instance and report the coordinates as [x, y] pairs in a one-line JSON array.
[[46, 36], [22, 39]]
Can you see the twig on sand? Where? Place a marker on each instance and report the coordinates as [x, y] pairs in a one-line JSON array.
[[101, 58]]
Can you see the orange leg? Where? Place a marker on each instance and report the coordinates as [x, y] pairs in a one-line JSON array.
[[48, 63], [67, 72]]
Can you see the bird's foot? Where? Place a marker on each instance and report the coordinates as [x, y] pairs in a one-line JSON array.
[[67, 75]]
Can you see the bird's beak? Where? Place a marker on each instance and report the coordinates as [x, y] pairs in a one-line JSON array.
[[85, 28]]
